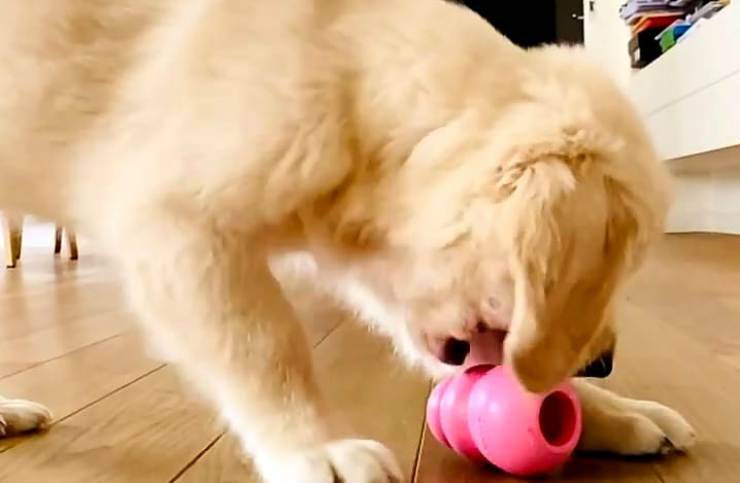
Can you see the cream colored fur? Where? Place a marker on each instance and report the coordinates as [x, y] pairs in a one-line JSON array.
[[430, 173]]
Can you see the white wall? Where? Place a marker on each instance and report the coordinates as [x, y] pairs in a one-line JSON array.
[[606, 37], [707, 193]]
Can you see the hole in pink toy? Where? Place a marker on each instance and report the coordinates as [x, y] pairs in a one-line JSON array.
[[557, 418]]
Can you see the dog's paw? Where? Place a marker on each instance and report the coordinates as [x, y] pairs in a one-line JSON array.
[[678, 433], [641, 437], [639, 428], [19, 416], [343, 461]]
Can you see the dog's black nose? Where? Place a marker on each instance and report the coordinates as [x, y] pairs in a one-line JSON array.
[[455, 352], [600, 367]]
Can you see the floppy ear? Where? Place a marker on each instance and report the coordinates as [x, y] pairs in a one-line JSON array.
[[554, 322]]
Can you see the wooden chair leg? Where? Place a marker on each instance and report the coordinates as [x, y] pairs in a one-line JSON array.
[[13, 240], [57, 240], [72, 240], [17, 234], [10, 260]]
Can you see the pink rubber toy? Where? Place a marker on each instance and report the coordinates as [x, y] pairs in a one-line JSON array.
[[485, 415]]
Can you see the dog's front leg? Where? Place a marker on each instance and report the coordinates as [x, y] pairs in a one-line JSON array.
[[211, 303], [614, 424]]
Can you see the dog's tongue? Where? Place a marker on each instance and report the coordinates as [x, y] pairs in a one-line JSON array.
[[486, 348]]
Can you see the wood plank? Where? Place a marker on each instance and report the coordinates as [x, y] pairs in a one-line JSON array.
[[41, 272], [372, 390], [88, 375], [663, 363], [682, 346], [142, 433], [106, 366], [24, 315], [50, 308], [440, 465], [20, 353], [221, 463]]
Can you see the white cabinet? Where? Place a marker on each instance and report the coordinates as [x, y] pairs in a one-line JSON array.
[[690, 96]]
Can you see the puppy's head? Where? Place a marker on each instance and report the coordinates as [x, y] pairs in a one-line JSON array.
[[505, 235]]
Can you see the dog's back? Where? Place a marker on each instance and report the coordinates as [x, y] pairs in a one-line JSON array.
[[86, 82], [63, 61]]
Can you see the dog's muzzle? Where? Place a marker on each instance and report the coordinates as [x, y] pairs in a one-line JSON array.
[[454, 352], [599, 368]]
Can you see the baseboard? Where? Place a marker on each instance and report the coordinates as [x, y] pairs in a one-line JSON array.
[[707, 193]]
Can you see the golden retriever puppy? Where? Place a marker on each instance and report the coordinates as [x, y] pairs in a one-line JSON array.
[[474, 201]]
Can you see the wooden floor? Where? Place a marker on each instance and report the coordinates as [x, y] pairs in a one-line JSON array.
[[67, 339]]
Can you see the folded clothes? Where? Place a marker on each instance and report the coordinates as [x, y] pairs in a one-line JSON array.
[[634, 7]]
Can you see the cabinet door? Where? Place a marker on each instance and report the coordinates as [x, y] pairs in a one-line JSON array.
[[534, 23], [569, 21]]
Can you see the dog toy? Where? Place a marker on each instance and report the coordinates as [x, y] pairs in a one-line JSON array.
[[485, 415]]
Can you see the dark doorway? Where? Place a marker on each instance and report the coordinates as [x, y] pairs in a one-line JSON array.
[[533, 23], [569, 21]]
